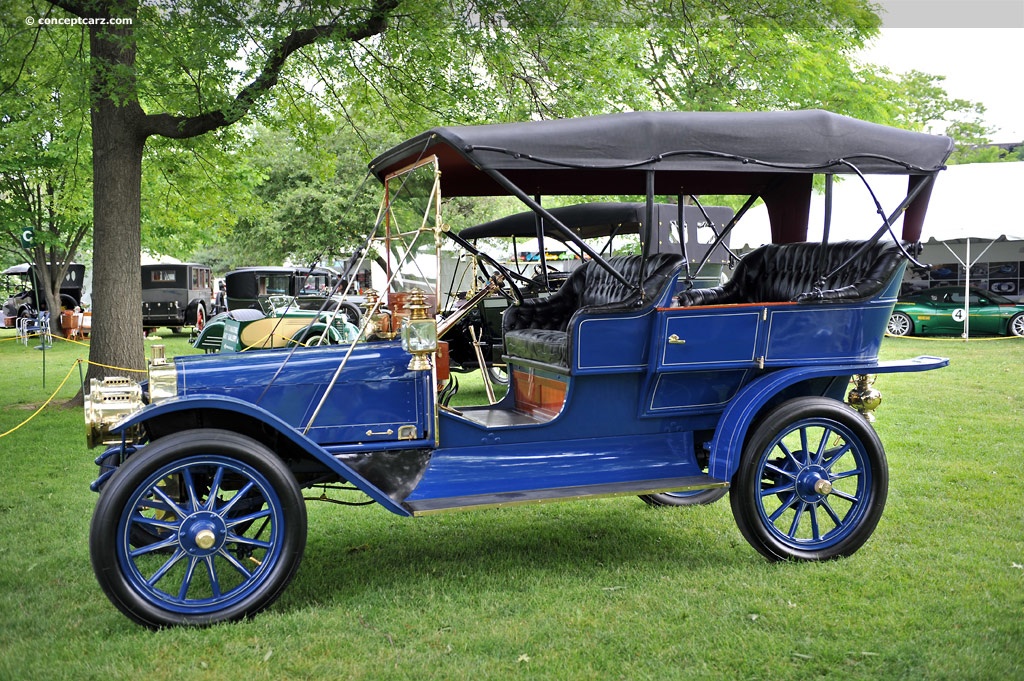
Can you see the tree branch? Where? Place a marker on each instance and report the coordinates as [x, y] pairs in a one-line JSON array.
[[181, 127]]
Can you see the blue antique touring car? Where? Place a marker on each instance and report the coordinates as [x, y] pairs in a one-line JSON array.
[[628, 380]]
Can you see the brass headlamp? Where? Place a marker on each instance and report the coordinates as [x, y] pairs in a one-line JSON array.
[[108, 402], [419, 332]]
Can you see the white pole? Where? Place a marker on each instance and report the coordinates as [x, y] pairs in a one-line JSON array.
[[967, 293]]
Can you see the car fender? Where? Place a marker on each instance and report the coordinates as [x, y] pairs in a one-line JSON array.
[[230, 404], [743, 409]]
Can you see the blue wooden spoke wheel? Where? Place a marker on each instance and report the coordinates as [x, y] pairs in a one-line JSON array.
[[199, 527], [812, 481]]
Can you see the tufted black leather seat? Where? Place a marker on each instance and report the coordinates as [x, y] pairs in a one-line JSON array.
[[790, 272], [537, 329]]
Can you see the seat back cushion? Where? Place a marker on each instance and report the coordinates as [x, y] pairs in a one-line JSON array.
[[536, 329], [793, 272]]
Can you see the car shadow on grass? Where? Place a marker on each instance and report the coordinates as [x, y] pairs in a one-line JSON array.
[[588, 541]]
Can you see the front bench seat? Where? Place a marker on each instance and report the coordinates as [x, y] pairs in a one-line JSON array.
[[789, 272], [538, 328]]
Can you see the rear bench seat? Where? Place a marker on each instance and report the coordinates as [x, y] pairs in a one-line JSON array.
[[790, 272], [538, 329]]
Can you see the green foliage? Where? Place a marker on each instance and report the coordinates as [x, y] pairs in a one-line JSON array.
[[313, 203], [45, 158], [195, 190], [166, 89]]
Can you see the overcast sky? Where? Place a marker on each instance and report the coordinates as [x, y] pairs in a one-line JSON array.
[[978, 45]]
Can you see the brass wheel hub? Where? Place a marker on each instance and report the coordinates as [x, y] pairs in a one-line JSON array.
[[205, 539]]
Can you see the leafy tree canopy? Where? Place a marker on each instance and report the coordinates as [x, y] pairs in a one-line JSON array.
[[167, 81], [45, 157]]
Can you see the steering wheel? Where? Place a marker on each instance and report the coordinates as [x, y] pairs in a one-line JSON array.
[[510, 291], [538, 270], [550, 280]]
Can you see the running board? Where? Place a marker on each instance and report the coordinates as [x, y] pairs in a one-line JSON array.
[[539, 496]]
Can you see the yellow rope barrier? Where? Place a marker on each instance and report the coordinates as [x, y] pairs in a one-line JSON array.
[[48, 400], [972, 339], [107, 366], [37, 335], [65, 380]]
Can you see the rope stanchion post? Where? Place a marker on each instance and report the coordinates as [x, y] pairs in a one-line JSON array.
[[78, 363]]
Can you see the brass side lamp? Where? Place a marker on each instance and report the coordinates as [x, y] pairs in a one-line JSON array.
[[864, 397], [419, 333], [377, 320]]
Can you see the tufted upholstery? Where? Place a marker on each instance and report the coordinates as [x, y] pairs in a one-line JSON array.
[[789, 272], [537, 329]]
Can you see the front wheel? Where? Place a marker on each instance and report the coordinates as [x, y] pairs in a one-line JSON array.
[[812, 481], [1016, 325], [900, 324], [200, 527]]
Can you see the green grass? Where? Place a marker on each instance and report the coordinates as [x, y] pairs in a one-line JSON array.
[[601, 589]]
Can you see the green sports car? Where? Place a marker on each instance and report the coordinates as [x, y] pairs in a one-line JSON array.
[[941, 311]]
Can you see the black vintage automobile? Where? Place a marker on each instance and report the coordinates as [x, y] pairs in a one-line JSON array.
[[540, 259], [31, 300], [248, 287], [176, 295]]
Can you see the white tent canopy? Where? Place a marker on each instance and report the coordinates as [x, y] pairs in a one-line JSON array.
[[968, 201]]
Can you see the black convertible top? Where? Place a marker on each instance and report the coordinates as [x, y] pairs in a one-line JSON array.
[[598, 220], [545, 156], [770, 154], [586, 220]]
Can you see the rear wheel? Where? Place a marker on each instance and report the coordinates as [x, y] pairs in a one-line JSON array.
[[812, 481], [498, 374], [315, 336], [200, 527], [1016, 325], [900, 324]]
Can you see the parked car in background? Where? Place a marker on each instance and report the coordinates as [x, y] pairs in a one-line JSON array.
[[248, 288], [176, 295], [31, 300], [284, 321], [942, 310]]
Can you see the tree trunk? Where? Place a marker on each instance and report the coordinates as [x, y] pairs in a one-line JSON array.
[[116, 335]]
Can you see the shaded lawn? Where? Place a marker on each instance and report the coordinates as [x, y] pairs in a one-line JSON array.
[[604, 588]]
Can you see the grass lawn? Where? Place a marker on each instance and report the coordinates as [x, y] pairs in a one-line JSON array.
[[601, 589]]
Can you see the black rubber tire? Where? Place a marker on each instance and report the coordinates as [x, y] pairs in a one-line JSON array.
[[900, 324], [1016, 325], [238, 455], [200, 321], [351, 314], [700, 497], [498, 374], [769, 515]]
